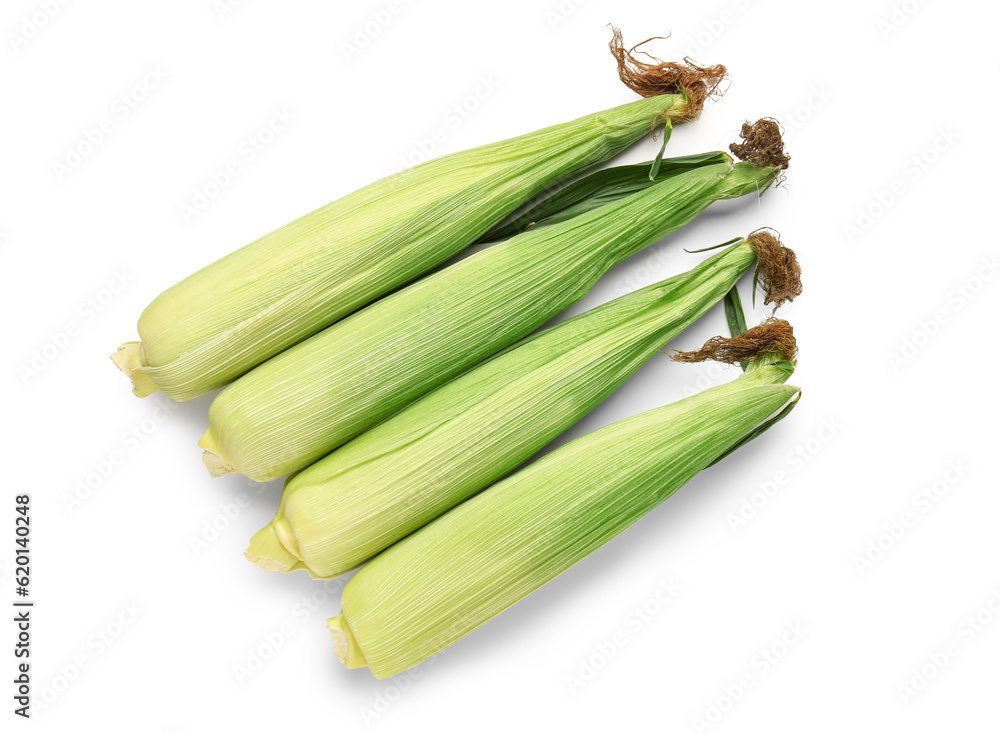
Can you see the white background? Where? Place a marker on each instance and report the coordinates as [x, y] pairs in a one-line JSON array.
[[866, 90]]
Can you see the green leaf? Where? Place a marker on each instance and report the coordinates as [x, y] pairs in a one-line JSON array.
[[598, 189], [734, 240], [667, 130], [734, 316]]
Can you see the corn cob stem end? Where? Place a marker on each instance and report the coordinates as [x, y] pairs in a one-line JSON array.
[[267, 551], [345, 646], [216, 464], [131, 359], [212, 457]]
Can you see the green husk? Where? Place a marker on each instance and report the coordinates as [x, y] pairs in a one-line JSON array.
[[309, 400], [440, 583], [470, 432], [237, 312], [596, 189]]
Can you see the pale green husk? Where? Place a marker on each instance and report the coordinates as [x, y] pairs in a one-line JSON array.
[[473, 430], [440, 583], [314, 397], [220, 322]]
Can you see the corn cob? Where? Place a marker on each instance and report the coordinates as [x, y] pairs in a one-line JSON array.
[[309, 400], [396, 477], [220, 322], [440, 583]]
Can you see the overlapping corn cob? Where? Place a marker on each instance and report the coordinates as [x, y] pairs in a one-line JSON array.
[[314, 397], [396, 477], [220, 322], [443, 581]]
